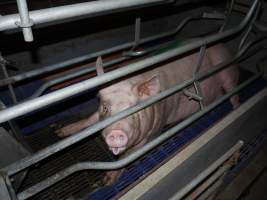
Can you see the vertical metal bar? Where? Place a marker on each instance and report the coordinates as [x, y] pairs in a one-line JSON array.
[[228, 16], [195, 72], [25, 22], [10, 86], [137, 32], [248, 31]]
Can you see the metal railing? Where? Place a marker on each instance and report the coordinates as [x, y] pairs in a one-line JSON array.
[[56, 96], [40, 102], [26, 19]]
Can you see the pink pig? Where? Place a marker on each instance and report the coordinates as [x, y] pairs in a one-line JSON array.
[[135, 130]]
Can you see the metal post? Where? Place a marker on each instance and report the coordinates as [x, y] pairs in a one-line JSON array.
[[10, 86], [25, 22]]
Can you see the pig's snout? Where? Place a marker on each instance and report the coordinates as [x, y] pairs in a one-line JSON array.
[[117, 141]]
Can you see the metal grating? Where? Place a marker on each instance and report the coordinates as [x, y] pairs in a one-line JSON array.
[[76, 184]]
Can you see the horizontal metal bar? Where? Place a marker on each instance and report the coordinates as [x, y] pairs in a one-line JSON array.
[[88, 69], [92, 8], [181, 193], [133, 156], [72, 75], [34, 104], [64, 64]]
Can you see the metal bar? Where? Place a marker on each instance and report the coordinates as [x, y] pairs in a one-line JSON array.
[[137, 31], [26, 162], [181, 193], [86, 69], [210, 193], [228, 16], [248, 31], [73, 75], [25, 22], [206, 184], [34, 104], [93, 8], [62, 65], [195, 71], [10, 86]]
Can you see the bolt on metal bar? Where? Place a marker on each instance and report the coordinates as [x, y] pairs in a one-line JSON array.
[[181, 193], [64, 64], [40, 102], [25, 22], [28, 161]]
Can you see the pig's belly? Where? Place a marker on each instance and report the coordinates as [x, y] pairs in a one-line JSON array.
[[211, 90]]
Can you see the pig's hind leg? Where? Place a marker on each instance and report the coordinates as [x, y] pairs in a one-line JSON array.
[[228, 86], [77, 126], [228, 77]]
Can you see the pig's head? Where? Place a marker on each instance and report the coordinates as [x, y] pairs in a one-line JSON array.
[[131, 130]]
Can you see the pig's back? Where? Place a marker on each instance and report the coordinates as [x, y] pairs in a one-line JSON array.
[[180, 70]]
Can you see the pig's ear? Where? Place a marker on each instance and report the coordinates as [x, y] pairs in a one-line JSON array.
[[148, 88]]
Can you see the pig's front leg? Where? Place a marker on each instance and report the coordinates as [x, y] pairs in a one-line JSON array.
[[77, 126]]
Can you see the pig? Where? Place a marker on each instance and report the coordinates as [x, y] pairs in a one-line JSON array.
[[132, 132]]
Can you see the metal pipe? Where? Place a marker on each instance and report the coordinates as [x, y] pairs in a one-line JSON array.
[[227, 16], [10, 86], [92, 8], [87, 69], [199, 190], [62, 65], [25, 22], [26, 162], [34, 104], [249, 29], [181, 193], [212, 191], [72, 75]]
